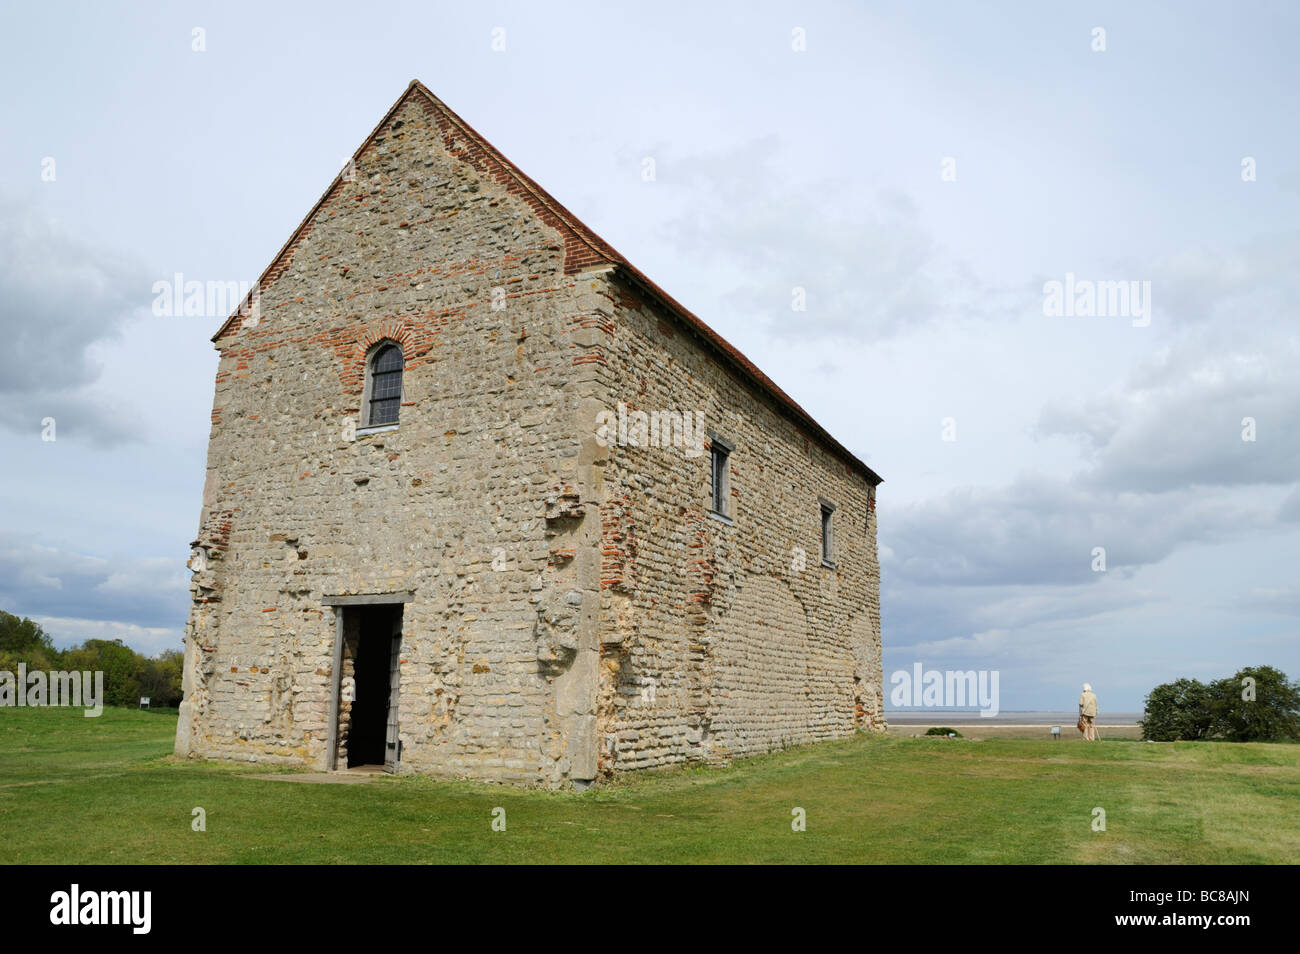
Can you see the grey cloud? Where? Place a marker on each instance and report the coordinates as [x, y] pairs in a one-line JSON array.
[[1025, 606], [1289, 512], [1031, 635], [77, 417], [1248, 285], [928, 614], [1040, 530], [1179, 422], [1283, 600], [37, 580], [59, 296]]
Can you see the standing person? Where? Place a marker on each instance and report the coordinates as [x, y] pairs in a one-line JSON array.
[[1088, 712]]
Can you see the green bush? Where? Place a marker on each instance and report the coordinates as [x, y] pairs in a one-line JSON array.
[[1257, 704], [942, 730], [1177, 711], [23, 641]]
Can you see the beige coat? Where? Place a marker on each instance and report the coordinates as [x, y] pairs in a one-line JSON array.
[[1088, 704]]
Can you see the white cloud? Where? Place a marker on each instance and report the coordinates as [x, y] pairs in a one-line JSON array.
[[149, 640], [976, 644], [867, 266]]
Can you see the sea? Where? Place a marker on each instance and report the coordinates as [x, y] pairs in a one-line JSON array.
[[935, 716]]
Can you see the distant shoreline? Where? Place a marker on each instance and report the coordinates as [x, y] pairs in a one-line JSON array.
[[1012, 725], [1020, 720], [990, 724]]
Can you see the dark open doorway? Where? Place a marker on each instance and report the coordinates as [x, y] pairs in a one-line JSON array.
[[372, 730]]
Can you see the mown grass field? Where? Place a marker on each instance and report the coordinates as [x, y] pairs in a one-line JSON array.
[[77, 790]]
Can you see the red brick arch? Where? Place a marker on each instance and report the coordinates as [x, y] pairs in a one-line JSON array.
[[352, 374]]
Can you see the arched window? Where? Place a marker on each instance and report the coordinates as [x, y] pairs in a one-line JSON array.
[[384, 387]]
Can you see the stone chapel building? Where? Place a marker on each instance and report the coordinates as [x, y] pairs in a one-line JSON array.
[[483, 500]]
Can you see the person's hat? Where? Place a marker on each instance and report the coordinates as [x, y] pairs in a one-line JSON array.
[[1087, 687]]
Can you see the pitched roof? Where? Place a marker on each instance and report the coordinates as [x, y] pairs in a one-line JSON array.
[[583, 249]]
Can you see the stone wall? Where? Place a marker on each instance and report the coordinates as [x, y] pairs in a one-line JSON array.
[[722, 638]]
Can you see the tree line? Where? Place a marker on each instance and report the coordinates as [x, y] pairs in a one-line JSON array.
[[128, 675], [1258, 704]]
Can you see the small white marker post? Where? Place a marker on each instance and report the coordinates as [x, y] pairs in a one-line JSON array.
[[1056, 733]]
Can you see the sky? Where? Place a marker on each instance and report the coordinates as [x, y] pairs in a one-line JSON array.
[[1106, 494]]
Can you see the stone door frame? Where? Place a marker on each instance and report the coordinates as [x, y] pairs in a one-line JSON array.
[[339, 603]]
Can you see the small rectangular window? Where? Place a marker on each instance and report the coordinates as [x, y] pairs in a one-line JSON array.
[[828, 540], [721, 456]]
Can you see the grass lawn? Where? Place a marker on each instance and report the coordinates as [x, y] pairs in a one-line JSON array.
[[78, 790]]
